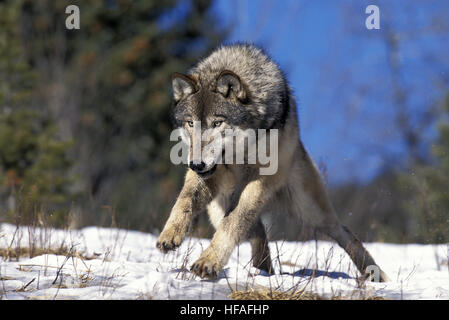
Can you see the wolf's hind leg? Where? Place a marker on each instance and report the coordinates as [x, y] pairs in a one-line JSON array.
[[259, 248], [312, 203], [358, 254]]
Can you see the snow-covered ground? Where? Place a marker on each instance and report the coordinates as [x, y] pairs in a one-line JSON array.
[[119, 264]]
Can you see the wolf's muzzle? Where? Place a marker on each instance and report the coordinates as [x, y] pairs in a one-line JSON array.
[[199, 169]]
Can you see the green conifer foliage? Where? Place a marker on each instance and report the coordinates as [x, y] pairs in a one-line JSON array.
[[34, 167]]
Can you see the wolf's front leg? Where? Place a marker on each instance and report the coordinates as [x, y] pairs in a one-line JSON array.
[[192, 200], [176, 227], [234, 228]]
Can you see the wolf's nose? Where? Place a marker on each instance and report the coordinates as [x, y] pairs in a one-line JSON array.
[[197, 167]]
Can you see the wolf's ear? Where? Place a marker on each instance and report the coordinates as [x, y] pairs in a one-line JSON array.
[[182, 86], [228, 82]]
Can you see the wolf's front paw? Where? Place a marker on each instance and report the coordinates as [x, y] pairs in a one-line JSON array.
[[169, 239], [206, 267]]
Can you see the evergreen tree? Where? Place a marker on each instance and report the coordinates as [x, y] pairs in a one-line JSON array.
[[428, 189], [34, 167], [108, 86]]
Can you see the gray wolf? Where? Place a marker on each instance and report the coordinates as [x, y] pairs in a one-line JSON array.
[[239, 87]]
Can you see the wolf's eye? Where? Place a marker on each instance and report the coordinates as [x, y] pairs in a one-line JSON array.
[[216, 124], [190, 123]]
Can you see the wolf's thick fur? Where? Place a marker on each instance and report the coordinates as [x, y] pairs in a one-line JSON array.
[[238, 86]]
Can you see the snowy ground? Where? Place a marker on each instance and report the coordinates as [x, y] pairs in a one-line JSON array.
[[119, 264]]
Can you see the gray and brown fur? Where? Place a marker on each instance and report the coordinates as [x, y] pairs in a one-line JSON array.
[[240, 86]]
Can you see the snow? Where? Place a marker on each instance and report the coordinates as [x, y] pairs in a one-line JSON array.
[[121, 264]]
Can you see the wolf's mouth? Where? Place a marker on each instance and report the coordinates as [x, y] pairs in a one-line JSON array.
[[208, 173]]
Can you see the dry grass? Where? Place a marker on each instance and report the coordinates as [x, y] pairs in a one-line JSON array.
[[29, 241], [267, 294], [25, 252]]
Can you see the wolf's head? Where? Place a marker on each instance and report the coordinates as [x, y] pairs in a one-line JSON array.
[[234, 89]]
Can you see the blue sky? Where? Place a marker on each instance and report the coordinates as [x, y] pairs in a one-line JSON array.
[[340, 73]]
